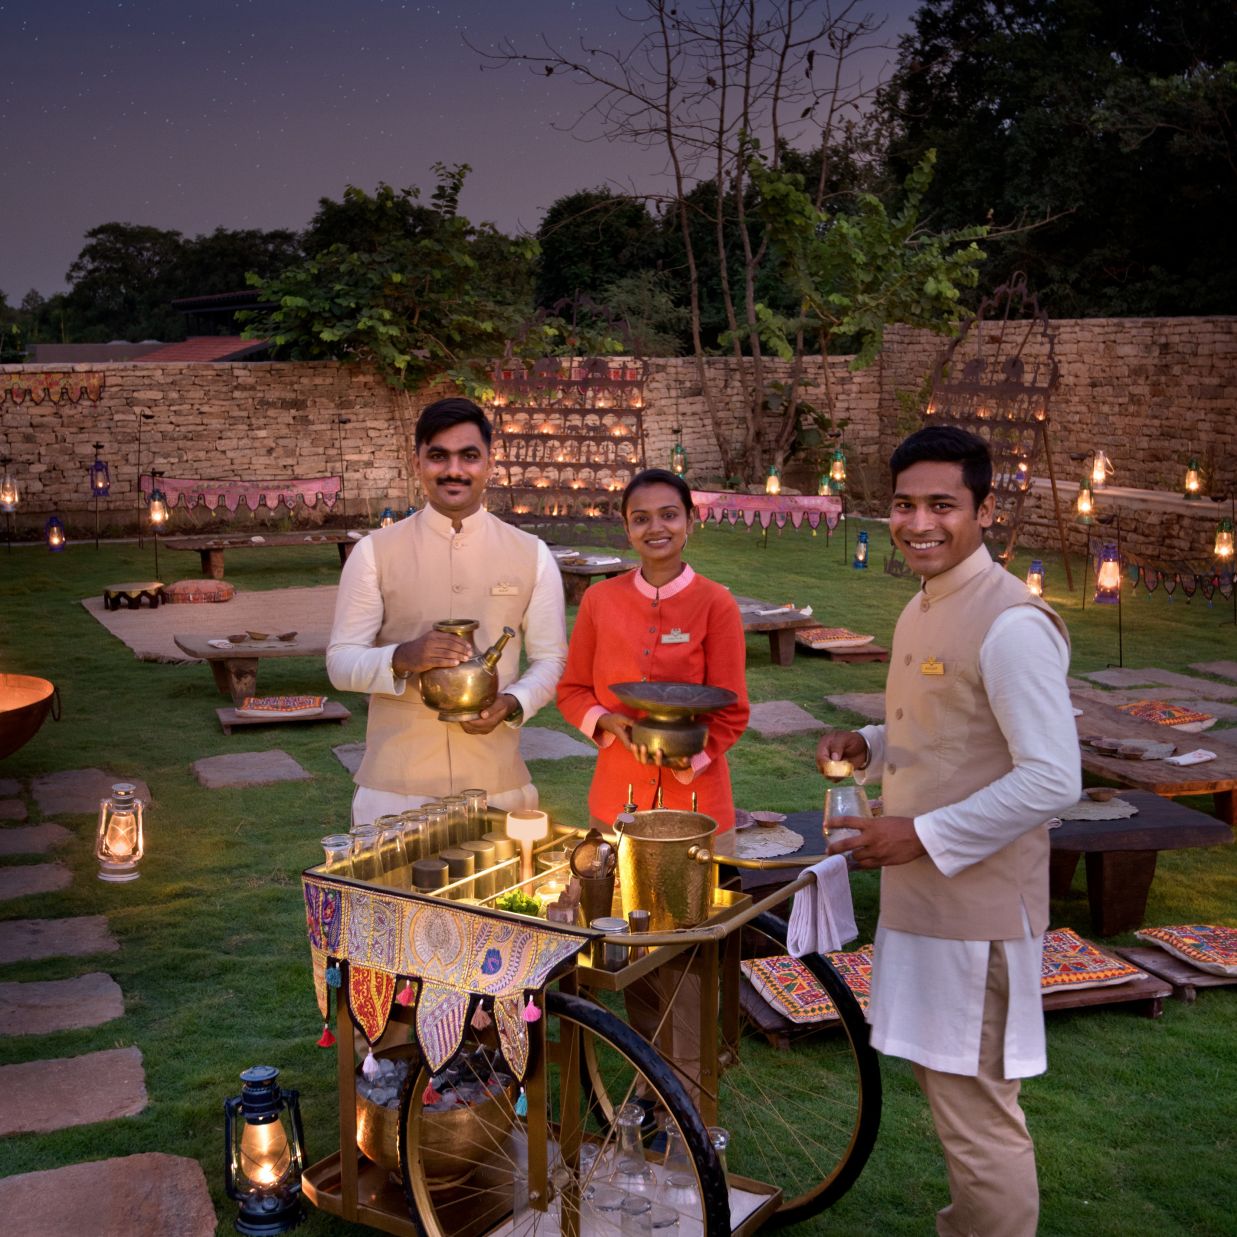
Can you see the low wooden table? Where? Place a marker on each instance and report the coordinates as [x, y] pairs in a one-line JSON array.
[[1185, 978], [1121, 855], [578, 576], [332, 711], [779, 626], [211, 548], [236, 669], [132, 595], [866, 652], [1217, 778]]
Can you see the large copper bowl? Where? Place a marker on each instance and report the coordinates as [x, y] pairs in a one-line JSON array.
[[24, 702], [453, 1144]]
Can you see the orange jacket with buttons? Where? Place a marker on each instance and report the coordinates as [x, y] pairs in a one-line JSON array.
[[688, 631]]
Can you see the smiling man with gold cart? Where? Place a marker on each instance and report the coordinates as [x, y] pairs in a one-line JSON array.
[[977, 751], [451, 560]]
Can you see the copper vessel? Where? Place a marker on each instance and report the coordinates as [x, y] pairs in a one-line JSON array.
[[672, 712], [24, 702], [462, 693], [666, 866]]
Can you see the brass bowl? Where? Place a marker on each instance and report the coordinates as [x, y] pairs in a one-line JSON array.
[[452, 1144], [671, 723], [24, 703]]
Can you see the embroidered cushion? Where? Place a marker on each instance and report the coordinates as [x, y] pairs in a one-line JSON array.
[[1165, 714], [1209, 947], [831, 638], [1071, 962], [791, 989], [194, 592]]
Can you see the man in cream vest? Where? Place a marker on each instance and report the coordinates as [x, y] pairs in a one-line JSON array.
[[450, 560], [978, 750]]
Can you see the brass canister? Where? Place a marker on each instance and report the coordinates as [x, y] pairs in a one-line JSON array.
[[665, 867]]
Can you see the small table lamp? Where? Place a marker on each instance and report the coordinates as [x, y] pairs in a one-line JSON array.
[[527, 826]]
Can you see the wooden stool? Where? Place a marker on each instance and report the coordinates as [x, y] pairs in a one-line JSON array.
[[132, 595]]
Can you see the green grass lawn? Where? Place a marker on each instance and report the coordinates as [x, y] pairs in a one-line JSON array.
[[1134, 1123]]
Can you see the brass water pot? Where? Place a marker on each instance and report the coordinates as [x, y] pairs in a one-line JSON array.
[[666, 866], [462, 693]]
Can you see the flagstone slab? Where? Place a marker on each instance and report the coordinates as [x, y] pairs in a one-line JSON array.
[[80, 790], [867, 704], [59, 1004], [149, 1193], [1224, 669], [248, 769], [541, 743], [1121, 676], [12, 809], [32, 940], [9, 786], [776, 718], [32, 878], [33, 839], [350, 755], [1124, 677], [39, 1096]]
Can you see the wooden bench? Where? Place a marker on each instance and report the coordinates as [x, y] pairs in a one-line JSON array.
[[236, 668], [577, 576], [211, 548], [780, 626]]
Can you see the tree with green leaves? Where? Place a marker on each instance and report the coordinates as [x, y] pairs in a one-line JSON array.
[[406, 292]]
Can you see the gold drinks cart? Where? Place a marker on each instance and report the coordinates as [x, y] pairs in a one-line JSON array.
[[538, 1014]]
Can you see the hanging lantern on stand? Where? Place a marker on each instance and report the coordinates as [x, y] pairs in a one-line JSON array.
[[387, 518], [100, 486], [264, 1154], [773, 482], [1223, 549], [1101, 470], [1108, 576], [1193, 480], [678, 454], [157, 511], [1084, 508]]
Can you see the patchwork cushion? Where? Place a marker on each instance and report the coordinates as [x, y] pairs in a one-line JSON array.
[[1165, 714], [831, 638], [194, 592], [1071, 962], [1209, 947], [791, 989]]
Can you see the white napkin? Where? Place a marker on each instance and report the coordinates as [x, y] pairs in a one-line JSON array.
[[822, 917], [1197, 757], [603, 562]]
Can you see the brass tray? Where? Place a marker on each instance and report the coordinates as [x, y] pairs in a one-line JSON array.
[[673, 700]]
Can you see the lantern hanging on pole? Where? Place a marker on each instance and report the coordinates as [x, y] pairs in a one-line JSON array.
[[100, 481], [1224, 540], [861, 551], [10, 496], [1108, 576], [1101, 470], [120, 839], [1035, 577], [1193, 480], [678, 454], [837, 470], [264, 1154], [824, 486], [53, 534], [773, 482], [1022, 473], [387, 518], [1085, 506], [157, 511]]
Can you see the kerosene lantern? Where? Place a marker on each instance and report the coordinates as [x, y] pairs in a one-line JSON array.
[[119, 838], [54, 535], [1035, 577], [837, 470], [1084, 508], [1193, 480], [387, 518], [1108, 576], [1101, 470], [100, 480], [773, 482], [678, 454], [861, 551], [1224, 541], [264, 1154]]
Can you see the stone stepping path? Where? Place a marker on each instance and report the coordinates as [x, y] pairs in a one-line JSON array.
[[32, 878], [32, 940], [541, 743], [59, 1004], [774, 719], [1224, 669], [12, 809], [149, 1193], [1119, 677], [80, 790], [39, 1096], [867, 704], [248, 769], [350, 755], [32, 839], [9, 786]]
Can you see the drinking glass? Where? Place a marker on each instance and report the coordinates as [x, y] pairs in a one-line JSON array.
[[412, 822], [392, 858], [457, 818], [637, 1215], [476, 804], [844, 801], [436, 827], [338, 848], [364, 852]]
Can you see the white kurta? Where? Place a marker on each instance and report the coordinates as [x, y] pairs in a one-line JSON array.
[[928, 992]]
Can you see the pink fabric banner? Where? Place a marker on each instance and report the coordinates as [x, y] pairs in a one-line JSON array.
[[718, 505], [252, 493]]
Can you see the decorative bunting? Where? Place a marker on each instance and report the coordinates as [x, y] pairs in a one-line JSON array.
[[254, 494], [512, 1033], [441, 1013], [54, 386], [719, 505], [370, 993]]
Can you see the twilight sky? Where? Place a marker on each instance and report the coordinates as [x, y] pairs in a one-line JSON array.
[[196, 114]]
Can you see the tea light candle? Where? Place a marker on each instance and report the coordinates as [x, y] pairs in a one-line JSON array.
[[838, 768], [526, 826], [548, 892]]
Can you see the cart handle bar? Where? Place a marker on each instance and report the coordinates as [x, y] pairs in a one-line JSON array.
[[713, 931]]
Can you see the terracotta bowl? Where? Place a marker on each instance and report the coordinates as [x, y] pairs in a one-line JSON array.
[[259, 635], [1101, 794], [24, 703]]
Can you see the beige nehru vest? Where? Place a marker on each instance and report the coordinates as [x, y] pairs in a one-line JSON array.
[[427, 572], [942, 743]]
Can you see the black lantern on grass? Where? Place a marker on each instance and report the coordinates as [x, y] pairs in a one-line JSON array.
[[264, 1154]]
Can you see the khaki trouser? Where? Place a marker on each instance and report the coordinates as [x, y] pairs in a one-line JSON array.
[[988, 1152]]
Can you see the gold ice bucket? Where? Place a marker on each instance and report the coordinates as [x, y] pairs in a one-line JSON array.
[[666, 867], [453, 1144]]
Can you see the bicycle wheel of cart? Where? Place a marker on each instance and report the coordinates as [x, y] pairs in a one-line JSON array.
[[802, 1118], [466, 1171]]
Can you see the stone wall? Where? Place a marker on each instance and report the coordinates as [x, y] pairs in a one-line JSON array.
[[1150, 392]]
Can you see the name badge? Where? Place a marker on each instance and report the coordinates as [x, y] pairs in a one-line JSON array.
[[503, 589], [676, 636], [931, 666]]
